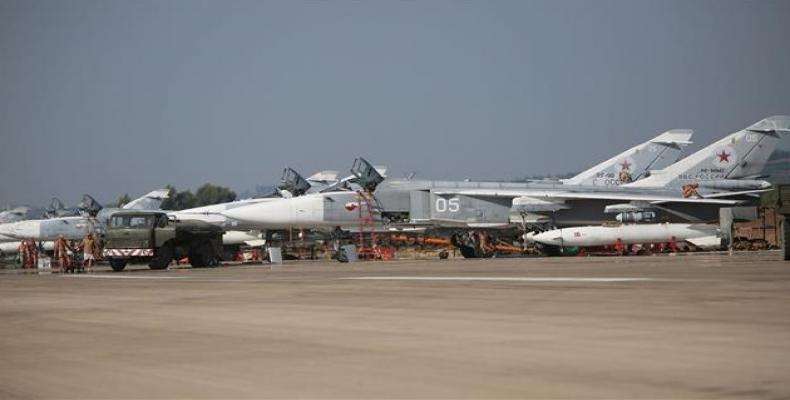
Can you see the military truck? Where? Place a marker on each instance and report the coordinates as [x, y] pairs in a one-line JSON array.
[[157, 239], [779, 200], [783, 208]]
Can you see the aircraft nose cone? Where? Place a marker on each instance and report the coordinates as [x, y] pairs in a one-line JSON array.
[[24, 230], [5, 230], [552, 238], [529, 237]]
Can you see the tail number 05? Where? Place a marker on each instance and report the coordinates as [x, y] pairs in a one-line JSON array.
[[445, 205]]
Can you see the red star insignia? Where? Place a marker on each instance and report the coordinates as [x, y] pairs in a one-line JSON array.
[[723, 156], [626, 165]]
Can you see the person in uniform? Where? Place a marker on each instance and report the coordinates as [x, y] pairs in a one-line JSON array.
[[61, 252], [88, 250], [32, 254], [22, 251]]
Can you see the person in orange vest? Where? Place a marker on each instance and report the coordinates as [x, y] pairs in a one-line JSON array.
[[619, 246], [61, 252], [31, 253], [88, 246], [22, 251], [673, 245], [34, 250]]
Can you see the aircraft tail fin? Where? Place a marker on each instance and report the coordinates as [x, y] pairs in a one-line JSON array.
[[150, 201], [636, 162], [55, 209], [740, 155]]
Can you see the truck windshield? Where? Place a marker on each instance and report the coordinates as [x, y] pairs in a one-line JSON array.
[[133, 221]]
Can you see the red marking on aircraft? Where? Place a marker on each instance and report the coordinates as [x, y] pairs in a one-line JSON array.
[[626, 165], [723, 156]]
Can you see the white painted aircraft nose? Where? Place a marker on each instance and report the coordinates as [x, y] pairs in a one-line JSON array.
[[5, 230], [25, 230]]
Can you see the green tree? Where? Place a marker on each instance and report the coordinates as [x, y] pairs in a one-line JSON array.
[[178, 200], [185, 200], [770, 199], [123, 200], [169, 202], [209, 194], [206, 195]]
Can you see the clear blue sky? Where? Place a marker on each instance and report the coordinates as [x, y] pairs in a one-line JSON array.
[[110, 97]]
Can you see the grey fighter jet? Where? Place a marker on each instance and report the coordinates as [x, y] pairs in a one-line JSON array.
[[402, 201], [14, 214], [405, 202], [94, 219], [691, 190]]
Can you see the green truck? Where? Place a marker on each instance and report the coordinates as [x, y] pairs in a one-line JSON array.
[[154, 238], [783, 207], [779, 199]]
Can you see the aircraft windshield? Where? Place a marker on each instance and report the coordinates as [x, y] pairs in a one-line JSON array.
[[133, 221]]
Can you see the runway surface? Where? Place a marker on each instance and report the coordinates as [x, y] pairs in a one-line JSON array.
[[702, 326]]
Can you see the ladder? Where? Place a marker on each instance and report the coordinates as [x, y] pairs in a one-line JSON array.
[[368, 248]]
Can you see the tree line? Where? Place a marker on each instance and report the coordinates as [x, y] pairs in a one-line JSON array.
[[205, 195]]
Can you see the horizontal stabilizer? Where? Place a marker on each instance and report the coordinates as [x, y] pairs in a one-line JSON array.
[[324, 177], [150, 201], [674, 137], [777, 123]]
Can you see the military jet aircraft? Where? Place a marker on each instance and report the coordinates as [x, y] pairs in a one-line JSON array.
[[465, 204], [691, 190], [14, 214], [94, 219], [292, 184], [337, 208]]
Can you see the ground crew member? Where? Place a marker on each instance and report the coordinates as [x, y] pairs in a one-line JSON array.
[[88, 249], [61, 252], [673, 245], [34, 249], [619, 247], [22, 251], [31, 259]]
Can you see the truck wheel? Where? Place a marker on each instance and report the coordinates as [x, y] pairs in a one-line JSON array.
[[117, 264], [202, 254], [163, 257]]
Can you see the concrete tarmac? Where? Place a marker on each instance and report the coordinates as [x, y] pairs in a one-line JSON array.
[[701, 326]]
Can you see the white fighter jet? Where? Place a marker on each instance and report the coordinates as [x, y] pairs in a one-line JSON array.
[[344, 208], [94, 220]]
